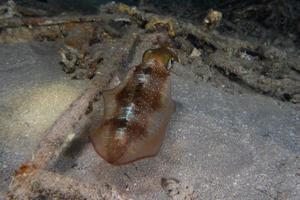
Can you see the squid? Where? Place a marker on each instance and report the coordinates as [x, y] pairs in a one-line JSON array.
[[137, 111]]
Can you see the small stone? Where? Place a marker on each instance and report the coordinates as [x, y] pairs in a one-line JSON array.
[[213, 19], [195, 53], [296, 98]]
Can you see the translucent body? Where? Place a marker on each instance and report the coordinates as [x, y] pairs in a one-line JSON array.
[[137, 111]]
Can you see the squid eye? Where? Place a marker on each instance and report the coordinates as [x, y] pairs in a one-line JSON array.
[[170, 64]]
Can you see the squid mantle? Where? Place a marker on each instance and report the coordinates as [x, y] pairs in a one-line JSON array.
[[137, 111]]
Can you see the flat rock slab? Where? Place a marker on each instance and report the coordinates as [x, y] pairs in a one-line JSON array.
[[34, 91], [220, 146]]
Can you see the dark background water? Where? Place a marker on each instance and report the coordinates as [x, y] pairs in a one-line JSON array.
[[277, 15], [88, 6], [91, 5]]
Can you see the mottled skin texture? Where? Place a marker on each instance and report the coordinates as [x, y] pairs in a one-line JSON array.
[[137, 111]]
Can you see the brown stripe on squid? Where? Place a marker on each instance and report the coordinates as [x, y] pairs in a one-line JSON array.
[[137, 112]]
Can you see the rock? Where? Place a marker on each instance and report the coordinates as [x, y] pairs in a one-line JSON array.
[[296, 98], [213, 19], [195, 53]]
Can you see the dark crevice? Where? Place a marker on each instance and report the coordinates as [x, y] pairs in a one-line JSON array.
[[253, 53], [234, 78], [287, 97], [201, 44]]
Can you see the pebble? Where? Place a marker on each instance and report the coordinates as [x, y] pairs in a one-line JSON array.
[[195, 53]]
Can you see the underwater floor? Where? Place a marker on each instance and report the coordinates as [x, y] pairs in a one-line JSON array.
[[235, 133]]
